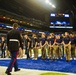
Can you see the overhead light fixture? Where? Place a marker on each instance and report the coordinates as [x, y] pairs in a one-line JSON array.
[[50, 3], [4, 17], [53, 6], [47, 1], [16, 21], [20, 21], [11, 20]]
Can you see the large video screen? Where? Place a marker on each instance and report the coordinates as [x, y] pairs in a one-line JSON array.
[[60, 20]]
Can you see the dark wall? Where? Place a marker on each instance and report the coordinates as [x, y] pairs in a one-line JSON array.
[[74, 22]]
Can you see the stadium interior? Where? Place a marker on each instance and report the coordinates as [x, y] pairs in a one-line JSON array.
[[35, 17]]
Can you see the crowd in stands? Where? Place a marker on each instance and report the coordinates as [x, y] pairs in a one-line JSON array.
[[12, 17]]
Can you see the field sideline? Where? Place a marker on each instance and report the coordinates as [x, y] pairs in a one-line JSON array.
[[31, 72]]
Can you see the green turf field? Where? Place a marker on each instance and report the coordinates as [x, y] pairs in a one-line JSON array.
[[53, 74]]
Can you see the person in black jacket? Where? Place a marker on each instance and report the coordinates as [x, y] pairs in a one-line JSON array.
[[26, 44], [3, 47], [14, 42]]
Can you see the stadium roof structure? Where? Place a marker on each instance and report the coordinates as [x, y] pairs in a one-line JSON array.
[[37, 9]]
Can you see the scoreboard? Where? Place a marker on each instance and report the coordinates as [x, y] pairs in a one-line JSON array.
[[60, 20]]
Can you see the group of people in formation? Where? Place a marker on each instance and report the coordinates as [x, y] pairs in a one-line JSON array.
[[52, 46]]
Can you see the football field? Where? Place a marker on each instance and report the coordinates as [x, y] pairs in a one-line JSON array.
[[40, 67]]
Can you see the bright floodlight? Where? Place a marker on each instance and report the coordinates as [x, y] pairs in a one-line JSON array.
[[50, 3], [53, 6], [47, 1]]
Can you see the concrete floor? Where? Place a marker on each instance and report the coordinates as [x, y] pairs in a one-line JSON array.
[[25, 72]]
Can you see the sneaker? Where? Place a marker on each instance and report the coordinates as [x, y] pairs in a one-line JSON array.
[[71, 58], [34, 58], [61, 58], [48, 57], [74, 58]]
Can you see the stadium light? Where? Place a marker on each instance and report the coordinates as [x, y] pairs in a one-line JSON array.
[[53, 6], [50, 3], [47, 1]]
